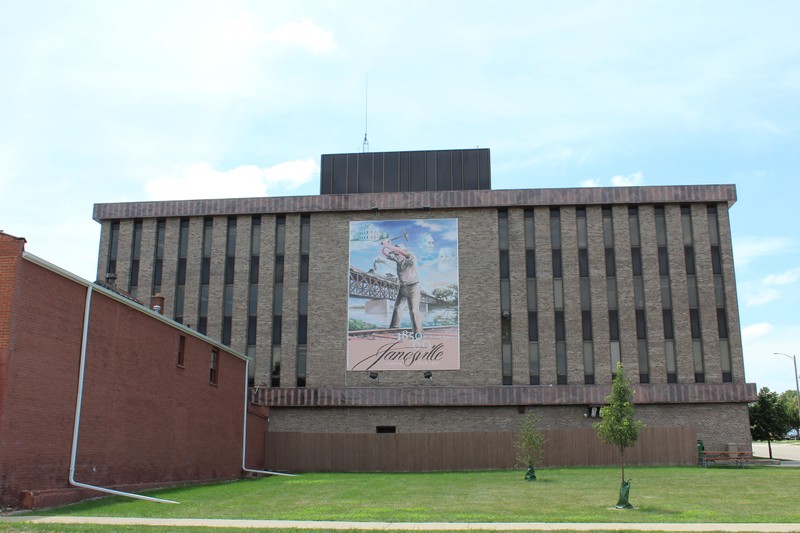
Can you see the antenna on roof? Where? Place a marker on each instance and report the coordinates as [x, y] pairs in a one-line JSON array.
[[365, 146]]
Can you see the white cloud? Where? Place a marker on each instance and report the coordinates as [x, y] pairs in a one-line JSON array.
[[637, 178], [747, 249], [763, 297], [755, 331], [202, 181], [785, 278], [292, 173], [306, 34]]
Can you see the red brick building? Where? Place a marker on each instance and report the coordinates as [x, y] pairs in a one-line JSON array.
[[160, 404]]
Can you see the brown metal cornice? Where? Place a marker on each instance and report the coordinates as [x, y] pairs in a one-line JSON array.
[[418, 200], [542, 395]]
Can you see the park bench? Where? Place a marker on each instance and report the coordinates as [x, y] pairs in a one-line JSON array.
[[739, 458]]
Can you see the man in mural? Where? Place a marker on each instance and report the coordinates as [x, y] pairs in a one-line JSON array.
[[408, 280]]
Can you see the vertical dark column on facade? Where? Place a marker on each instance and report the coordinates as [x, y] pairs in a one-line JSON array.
[[586, 295], [637, 269], [230, 274], [302, 301], [666, 295], [277, 300], [180, 278], [558, 296], [719, 294], [113, 251], [205, 275], [252, 292], [158, 255], [505, 296], [693, 292], [533, 316], [611, 288], [136, 253]]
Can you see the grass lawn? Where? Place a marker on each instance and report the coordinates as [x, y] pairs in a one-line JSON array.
[[659, 494]]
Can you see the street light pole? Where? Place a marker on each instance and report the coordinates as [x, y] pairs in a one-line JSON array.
[[796, 383]]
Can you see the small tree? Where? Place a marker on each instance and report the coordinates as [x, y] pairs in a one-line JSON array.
[[529, 445], [769, 417], [789, 399], [617, 426]]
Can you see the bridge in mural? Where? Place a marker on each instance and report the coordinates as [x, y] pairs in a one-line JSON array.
[[373, 286]]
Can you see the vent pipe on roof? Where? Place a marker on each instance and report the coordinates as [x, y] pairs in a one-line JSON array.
[[157, 303]]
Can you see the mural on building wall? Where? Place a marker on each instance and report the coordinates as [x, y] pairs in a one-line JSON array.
[[403, 295]]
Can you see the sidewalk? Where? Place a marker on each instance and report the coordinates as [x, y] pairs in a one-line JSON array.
[[787, 453], [405, 526]]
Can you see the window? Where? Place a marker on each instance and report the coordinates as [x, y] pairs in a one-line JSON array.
[[181, 351], [180, 282], [205, 275], [252, 292], [586, 295], [136, 252], [302, 301], [227, 290], [505, 296], [113, 245], [158, 254], [277, 300], [214, 372]]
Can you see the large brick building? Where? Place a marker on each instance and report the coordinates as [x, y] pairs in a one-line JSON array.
[[99, 390], [528, 297]]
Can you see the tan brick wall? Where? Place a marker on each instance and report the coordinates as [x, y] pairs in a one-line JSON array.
[[652, 295], [191, 294], [124, 254], [731, 298], [519, 300], [241, 283], [479, 293], [146, 258], [597, 281], [266, 276], [717, 424], [169, 269], [544, 290], [627, 305]]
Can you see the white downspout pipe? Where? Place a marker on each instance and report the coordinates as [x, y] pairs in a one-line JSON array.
[[77, 425], [244, 430]]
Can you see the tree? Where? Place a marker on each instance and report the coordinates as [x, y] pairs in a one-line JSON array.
[[618, 427], [529, 445], [789, 400], [769, 418]]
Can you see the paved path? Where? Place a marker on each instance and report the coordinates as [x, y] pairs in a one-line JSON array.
[[404, 526], [787, 453]]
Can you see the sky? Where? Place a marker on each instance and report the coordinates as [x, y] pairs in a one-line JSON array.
[[154, 100]]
